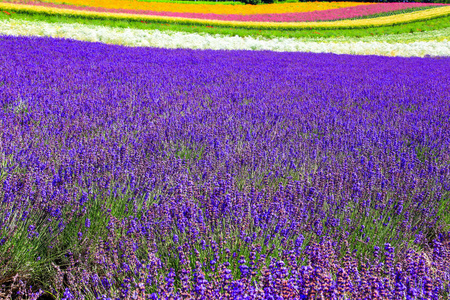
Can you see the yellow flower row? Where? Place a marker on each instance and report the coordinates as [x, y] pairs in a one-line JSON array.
[[361, 23], [209, 8]]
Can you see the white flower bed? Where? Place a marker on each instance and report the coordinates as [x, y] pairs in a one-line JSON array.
[[434, 43]]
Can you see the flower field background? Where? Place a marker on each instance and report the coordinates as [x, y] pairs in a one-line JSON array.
[[129, 170], [262, 21], [312, 27], [202, 8], [299, 14]]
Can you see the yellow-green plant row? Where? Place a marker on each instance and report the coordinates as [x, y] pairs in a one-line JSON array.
[[362, 23]]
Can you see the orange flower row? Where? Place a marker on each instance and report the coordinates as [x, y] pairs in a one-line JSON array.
[[210, 8]]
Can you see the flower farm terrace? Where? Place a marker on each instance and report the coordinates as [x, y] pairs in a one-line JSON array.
[[298, 14], [129, 170], [203, 8]]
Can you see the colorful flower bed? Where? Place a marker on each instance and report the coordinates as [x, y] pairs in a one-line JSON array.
[[205, 8], [318, 15], [362, 23], [163, 174], [434, 43]]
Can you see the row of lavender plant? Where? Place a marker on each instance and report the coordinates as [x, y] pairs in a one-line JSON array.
[[134, 173]]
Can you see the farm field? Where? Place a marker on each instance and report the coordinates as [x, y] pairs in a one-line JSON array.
[[170, 150], [421, 29]]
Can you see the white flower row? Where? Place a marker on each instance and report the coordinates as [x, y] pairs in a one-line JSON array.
[[434, 43], [433, 35]]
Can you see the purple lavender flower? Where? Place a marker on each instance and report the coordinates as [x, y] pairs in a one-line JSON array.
[[282, 172]]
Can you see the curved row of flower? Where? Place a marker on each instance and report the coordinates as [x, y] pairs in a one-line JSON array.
[[361, 23], [309, 16], [436, 43], [204, 8]]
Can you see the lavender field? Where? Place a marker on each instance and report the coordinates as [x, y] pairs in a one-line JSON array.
[[137, 173]]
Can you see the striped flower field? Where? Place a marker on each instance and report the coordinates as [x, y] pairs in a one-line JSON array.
[[153, 150], [72, 11], [420, 44], [298, 14], [199, 8], [163, 29]]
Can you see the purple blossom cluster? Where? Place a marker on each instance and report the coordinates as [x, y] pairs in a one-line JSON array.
[[137, 173]]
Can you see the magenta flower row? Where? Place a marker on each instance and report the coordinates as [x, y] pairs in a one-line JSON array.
[[323, 15]]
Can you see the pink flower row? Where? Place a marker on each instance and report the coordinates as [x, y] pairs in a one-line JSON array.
[[324, 15]]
